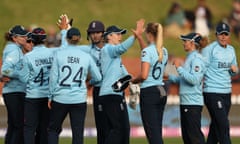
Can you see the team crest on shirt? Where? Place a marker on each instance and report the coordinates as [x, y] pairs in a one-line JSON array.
[[196, 68], [144, 53], [6, 72], [9, 59]]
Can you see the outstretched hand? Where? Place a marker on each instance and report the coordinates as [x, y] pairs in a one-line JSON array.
[[139, 28], [64, 23]]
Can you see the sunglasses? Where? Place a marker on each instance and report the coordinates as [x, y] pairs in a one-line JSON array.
[[29, 41], [224, 33]]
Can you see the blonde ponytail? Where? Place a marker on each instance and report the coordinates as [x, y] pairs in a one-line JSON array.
[[159, 42]]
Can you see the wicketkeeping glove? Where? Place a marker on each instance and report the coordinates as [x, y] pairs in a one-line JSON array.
[[134, 90], [122, 83]]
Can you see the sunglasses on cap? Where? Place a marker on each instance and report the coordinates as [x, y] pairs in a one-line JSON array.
[[29, 41], [224, 33]]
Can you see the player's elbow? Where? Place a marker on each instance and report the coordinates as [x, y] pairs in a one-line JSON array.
[[143, 77]]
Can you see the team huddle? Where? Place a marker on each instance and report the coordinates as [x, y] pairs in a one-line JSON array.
[[42, 85]]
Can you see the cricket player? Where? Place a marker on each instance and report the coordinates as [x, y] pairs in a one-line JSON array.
[[190, 79], [221, 65], [14, 90], [152, 94], [68, 93], [34, 71]]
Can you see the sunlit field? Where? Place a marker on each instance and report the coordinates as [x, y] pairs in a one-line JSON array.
[[235, 140], [46, 13]]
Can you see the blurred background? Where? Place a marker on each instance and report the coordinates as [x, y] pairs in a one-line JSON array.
[[177, 17], [124, 13]]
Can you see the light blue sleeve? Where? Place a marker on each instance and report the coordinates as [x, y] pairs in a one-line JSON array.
[[124, 70], [94, 72], [53, 78], [206, 53], [23, 70], [146, 55], [63, 38], [174, 78], [9, 64], [116, 50], [234, 62], [195, 75], [165, 56]]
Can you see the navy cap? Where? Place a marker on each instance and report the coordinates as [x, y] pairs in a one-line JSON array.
[[114, 29], [96, 26], [222, 28], [195, 37], [18, 31], [38, 35], [73, 32]]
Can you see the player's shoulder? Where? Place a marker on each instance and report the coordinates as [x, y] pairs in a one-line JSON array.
[[146, 51], [212, 45], [59, 51], [37, 50], [53, 49], [83, 53], [165, 51], [85, 48], [108, 46], [198, 57], [230, 47], [164, 48], [10, 46], [209, 47], [149, 48], [79, 50]]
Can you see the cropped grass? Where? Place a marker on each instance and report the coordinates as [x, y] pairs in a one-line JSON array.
[[175, 140], [123, 13]]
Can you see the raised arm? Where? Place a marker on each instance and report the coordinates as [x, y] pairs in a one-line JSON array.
[[138, 33]]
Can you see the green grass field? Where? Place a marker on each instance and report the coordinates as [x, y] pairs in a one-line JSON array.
[[178, 140], [141, 141]]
